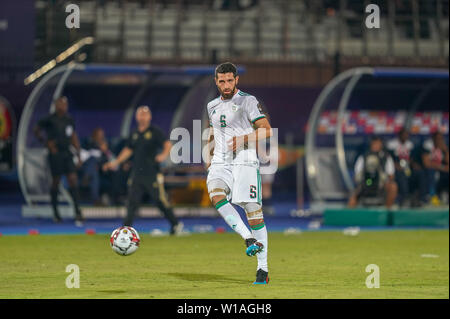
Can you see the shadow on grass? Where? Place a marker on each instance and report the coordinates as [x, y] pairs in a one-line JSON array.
[[112, 291], [206, 278]]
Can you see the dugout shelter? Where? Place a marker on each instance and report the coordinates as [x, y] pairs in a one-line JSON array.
[[107, 96]]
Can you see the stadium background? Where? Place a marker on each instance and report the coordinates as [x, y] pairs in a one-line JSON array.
[[288, 52]]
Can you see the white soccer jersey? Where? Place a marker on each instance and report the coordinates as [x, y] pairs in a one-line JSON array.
[[233, 117]]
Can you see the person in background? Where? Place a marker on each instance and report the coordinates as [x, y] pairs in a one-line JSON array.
[[111, 181], [145, 144], [375, 175], [60, 130], [400, 149], [105, 186], [89, 173], [419, 179], [435, 158], [96, 153]]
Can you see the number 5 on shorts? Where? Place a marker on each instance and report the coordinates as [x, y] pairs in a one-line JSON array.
[[253, 193]]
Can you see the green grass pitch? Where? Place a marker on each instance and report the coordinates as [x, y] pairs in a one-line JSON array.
[[307, 265]]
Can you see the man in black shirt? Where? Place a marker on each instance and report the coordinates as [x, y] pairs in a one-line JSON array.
[[144, 144], [60, 130]]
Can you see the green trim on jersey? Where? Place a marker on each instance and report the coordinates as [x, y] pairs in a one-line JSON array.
[[243, 93], [258, 118]]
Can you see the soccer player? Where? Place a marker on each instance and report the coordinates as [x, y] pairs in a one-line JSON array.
[[237, 123], [145, 177], [60, 130]]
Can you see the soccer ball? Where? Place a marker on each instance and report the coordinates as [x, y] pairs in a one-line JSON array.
[[125, 240]]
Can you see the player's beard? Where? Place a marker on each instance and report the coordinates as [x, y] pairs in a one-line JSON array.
[[227, 96]]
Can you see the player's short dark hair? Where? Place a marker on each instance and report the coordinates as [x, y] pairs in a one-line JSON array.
[[226, 67]]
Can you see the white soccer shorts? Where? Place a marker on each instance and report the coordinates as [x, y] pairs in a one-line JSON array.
[[244, 181]]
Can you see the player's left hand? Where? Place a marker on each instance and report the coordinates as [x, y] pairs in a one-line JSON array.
[[236, 143]]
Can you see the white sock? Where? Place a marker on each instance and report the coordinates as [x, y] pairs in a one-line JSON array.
[[233, 219], [260, 234]]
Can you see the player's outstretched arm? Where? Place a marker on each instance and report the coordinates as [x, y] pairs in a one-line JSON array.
[[123, 156], [161, 157]]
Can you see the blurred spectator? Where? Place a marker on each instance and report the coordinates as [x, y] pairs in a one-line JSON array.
[[419, 180], [103, 186], [435, 162], [400, 149], [430, 165], [374, 175], [110, 181], [89, 172]]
